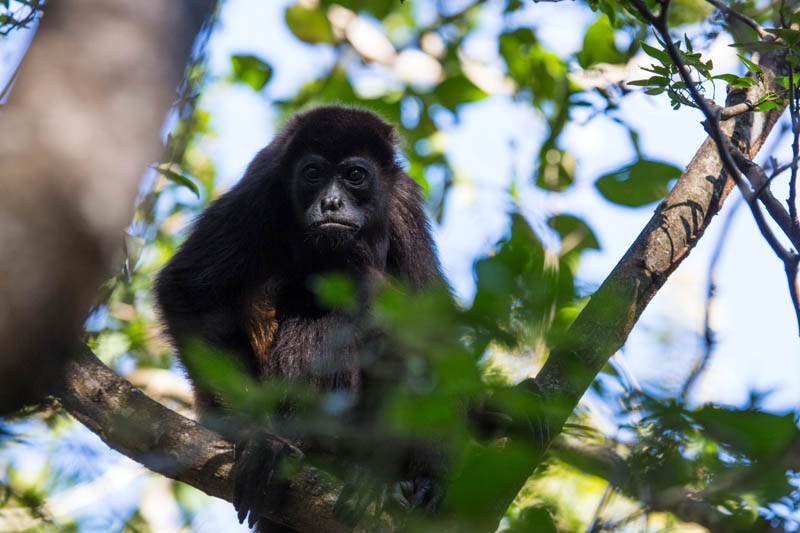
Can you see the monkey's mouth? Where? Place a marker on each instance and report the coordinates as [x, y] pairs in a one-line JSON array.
[[334, 225]]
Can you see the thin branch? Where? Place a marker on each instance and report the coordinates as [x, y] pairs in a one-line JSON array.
[[726, 113], [791, 278], [758, 179], [732, 13], [795, 119]]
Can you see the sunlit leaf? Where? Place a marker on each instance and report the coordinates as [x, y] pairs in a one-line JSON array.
[[251, 70], [309, 25], [599, 46], [457, 90]]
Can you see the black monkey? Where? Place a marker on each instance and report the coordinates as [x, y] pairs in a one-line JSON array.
[[327, 195]]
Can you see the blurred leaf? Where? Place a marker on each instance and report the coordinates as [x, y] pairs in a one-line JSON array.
[[133, 246], [179, 179], [251, 70], [638, 184], [576, 235], [309, 25], [495, 469], [378, 8], [519, 287], [532, 520], [688, 11], [760, 46], [598, 45], [457, 90], [335, 291], [556, 169], [757, 434], [790, 36]]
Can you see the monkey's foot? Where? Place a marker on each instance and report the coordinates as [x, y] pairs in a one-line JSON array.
[[257, 475]]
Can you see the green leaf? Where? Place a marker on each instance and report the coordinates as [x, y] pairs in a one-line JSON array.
[[751, 67], [657, 81], [457, 90], [179, 179], [736, 81], [661, 55], [760, 46], [251, 70], [638, 184], [309, 25], [598, 45], [532, 519], [379, 8], [789, 36], [757, 434], [576, 235], [688, 11]]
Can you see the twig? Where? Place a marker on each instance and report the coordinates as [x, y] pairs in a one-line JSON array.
[[795, 119], [743, 18], [735, 110], [791, 278]]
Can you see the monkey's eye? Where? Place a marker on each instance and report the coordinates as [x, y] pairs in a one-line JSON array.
[[311, 173], [356, 175]]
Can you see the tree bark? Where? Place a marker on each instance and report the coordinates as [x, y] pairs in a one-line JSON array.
[[75, 137], [170, 444]]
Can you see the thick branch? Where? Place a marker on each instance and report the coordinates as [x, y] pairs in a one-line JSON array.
[[181, 449]]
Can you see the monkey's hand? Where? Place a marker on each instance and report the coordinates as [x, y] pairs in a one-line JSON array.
[[258, 476], [363, 493], [422, 492]]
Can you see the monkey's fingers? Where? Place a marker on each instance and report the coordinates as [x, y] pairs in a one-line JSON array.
[[255, 478]]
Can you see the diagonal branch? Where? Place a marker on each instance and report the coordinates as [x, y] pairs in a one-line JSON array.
[[172, 445]]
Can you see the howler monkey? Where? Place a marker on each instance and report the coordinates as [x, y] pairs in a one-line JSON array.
[[327, 195]]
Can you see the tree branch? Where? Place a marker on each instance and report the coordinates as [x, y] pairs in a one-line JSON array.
[[181, 449]]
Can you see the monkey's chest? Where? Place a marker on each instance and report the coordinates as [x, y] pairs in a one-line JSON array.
[[321, 349]]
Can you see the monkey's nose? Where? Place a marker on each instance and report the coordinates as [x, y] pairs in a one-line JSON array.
[[331, 203]]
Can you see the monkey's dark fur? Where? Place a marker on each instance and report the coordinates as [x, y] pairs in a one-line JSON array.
[[326, 195]]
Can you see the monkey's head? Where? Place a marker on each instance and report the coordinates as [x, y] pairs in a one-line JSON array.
[[341, 170]]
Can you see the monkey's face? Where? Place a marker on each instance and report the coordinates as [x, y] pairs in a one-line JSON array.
[[340, 204]]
